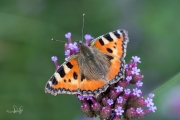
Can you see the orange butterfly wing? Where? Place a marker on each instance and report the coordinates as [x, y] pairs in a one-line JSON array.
[[114, 45], [92, 87], [66, 79]]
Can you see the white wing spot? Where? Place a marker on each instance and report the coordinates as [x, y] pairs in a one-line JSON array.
[[119, 32], [66, 69], [50, 83], [57, 76], [105, 40], [113, 36]]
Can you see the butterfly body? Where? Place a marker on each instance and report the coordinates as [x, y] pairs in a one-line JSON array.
[[92, 63], [90, 71]]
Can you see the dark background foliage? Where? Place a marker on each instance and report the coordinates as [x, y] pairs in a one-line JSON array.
[[26, 27]]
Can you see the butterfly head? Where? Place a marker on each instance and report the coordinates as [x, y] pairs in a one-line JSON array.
[[84, 50]]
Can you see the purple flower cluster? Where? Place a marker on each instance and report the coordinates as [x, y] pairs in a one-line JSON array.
[[118, 100]]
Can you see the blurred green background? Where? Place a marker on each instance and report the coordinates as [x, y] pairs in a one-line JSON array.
[[26, 27]]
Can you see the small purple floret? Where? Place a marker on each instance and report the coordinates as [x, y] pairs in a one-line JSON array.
[[67, 53], [137, 92], [88, 97], [136, 59], [126, 66], [135, 71], [72, 46], [68, 35], [127, 91], [88, 38], [151, 95], [149, 102], [119, 111], [54, 58], [129, 78], [120, 99], [139, 110], [119, 89], [80, 97], [139, 83], [110, 101], [152, 108]]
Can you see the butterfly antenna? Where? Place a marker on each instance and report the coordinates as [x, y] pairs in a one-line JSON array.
[[56, 40], [83, 27]]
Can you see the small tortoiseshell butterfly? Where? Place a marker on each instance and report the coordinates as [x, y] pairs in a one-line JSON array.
[[90, 71]]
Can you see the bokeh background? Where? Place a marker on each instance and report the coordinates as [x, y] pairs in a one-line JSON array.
[[26, 27]]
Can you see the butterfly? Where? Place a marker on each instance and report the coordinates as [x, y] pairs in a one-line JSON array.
[[94, 68]]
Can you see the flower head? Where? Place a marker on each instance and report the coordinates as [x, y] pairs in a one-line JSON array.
[[118, 100]]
